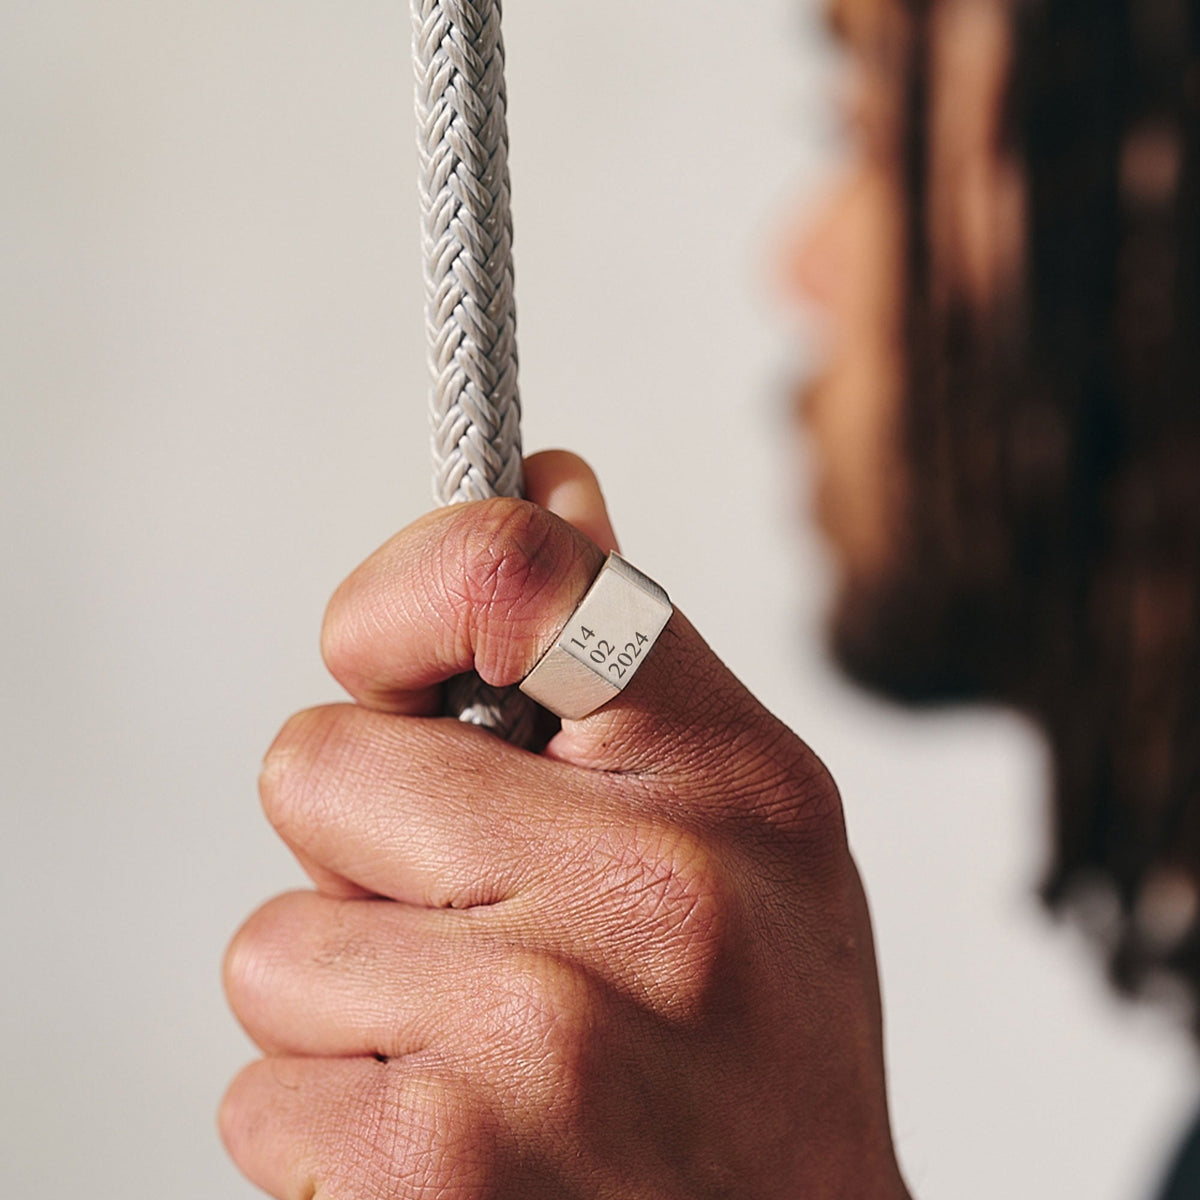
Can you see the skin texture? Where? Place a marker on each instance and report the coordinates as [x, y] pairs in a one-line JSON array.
[[641, 964], [846, 266], [637, 966]]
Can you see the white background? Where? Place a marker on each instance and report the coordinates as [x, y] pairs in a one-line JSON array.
[[212, 407]]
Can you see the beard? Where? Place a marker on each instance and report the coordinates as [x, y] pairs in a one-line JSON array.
[[916, 637], [930, 625], [938, 620]]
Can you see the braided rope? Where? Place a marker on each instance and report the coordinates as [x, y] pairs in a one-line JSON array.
[[470, 313]]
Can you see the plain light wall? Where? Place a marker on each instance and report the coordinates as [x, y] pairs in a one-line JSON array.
[[213, 407]]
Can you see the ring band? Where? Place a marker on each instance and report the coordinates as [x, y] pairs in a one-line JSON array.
[[602, 645]]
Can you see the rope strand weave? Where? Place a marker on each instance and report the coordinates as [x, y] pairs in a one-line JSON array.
[[470, 312]]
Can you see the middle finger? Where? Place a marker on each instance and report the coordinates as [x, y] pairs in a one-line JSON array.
[[316, 977], [432, 813]]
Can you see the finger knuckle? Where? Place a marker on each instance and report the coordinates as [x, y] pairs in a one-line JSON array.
[[290, 783], [338, 937], [244, 1121], [351, 622], [231, 1116], [255, 954], [429, 1138], [770, 786], [674, 903], [501, 559], [545, 1011], [242, 971], [800, 807]]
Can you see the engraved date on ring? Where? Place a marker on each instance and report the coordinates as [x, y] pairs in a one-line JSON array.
[[618, 661]]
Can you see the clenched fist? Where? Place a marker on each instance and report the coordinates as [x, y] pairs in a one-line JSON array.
[[637, 965]]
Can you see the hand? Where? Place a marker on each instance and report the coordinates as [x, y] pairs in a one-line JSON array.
[[638, 965]]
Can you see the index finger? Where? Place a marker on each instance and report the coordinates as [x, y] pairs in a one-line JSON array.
[[470, 587], [488, 587]]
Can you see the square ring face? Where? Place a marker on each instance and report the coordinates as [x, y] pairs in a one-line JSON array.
[[603, 644]]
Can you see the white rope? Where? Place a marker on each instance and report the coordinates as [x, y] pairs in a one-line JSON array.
[[470, 314]]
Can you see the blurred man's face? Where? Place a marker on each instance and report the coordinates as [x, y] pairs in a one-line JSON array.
[[849, 264]]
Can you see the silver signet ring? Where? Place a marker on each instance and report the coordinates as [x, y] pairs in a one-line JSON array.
[[602, 645]]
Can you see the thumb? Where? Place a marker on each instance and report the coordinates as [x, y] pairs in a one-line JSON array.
[[563, 483], [488, 586]]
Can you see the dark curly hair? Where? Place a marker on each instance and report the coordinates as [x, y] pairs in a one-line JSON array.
[[1054, 442]]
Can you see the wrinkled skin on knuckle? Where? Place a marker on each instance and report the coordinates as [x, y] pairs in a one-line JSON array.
[[502, 564], [343, 944], [288, 935], [417, 1133], [537, 1024], [719, 751], [661, 901], [384, 598], [773, 786], [359, 614], [312, 755], [253, 1126], [499, 552], [325, 933], [808, 855], [796, 799], [668, 740], [410, 1129]]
